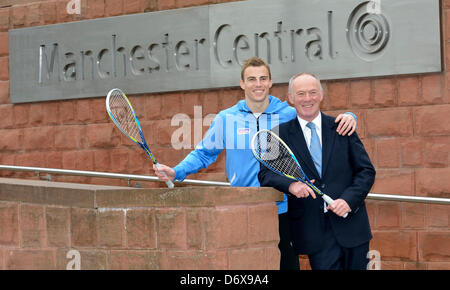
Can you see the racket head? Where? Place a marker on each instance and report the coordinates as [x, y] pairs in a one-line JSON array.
[[269, 149], [121, 112]]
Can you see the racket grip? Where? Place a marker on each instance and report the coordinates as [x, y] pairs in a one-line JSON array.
[[169, 182], [330, 201]]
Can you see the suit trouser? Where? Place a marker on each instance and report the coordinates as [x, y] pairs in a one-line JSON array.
[[289, 259], [333, 256]]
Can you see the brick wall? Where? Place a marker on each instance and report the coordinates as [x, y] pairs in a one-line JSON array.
[[404, 122], [124, 228]]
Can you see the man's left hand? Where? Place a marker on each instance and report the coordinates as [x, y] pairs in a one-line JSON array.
[[347, 124], [340, 207]]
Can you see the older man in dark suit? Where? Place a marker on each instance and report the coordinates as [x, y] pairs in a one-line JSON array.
[[340, 167]]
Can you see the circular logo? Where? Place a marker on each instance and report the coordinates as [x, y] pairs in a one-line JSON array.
[[367, 31]]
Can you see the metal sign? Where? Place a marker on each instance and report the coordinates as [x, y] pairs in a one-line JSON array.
[[204, 47]]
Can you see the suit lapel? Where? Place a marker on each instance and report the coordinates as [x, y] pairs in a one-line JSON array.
[[297, 143], [328, 138]]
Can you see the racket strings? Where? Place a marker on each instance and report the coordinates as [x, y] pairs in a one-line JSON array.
[[124, 115], [275, 154]]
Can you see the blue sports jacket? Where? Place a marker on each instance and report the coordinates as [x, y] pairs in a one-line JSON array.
[[233, 130]]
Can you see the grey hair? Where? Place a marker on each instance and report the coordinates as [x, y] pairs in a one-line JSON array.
[[291, 80]]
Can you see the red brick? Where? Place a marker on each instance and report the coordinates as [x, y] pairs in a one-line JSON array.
[[33, 15], [54, 159], [433, 182], [21, 112], [384, 92], [95, 9], [9, 219], [83, 227], [113, 7], [153, 107], [38, 138], [408, 91], [7, 114], [210, 102], [432, 120], [67, 112], [164, 132], [51, 113], [12, 139], [395, 246], [222, 230], [32, 225], [436, 152], [247, 259], [171, 228], [438, 216], [263, 224], [4, 92], [98, 111], [48, 12], [388, 215], [69, 159], [29, 259], [394, 181], [135, 260], [360, 93], [85, 160], [83, 109], [34, 159], [171, 105], [434, 246], [338, 93], [432, 89], [197, 260], [388, 152], [102, 160], [69, 137], [194, 228], [167, 4], [4, 68], [438, 266], [4, 18], [228, 98], [413, 215], [4, 43], [18, 14], [412, 152], [102, 135], [141, 229], [119, 160], [111, 228], [58, 227], [133, 6], [389, 122], [137, 160]]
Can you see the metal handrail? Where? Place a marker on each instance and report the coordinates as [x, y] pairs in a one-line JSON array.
[[129, 177]]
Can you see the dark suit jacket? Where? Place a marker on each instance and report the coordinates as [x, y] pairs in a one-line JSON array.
[[347, 173]]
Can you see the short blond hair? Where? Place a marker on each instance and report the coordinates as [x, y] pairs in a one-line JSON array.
[[254, 61]]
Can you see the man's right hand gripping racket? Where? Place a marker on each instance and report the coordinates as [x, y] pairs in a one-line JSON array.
[[122, 114], [273, 153]]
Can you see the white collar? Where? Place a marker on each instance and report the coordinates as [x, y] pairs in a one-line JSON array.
[[317, 121]]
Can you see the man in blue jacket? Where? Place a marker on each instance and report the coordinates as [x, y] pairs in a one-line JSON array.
[[233, 129]]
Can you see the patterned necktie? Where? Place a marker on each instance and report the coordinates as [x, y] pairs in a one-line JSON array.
[[315, 148]]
